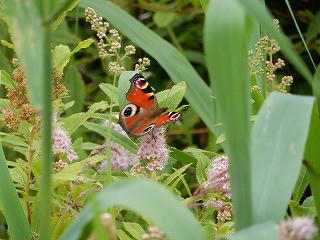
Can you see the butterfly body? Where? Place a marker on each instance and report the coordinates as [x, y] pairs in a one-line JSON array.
[[142, 114]]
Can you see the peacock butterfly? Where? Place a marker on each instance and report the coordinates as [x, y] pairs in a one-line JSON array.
[[142, 114]]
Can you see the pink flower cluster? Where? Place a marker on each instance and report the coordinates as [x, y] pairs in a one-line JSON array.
[[218, 176], [62, 141], [121, 158], [298, 228], [153, 147]]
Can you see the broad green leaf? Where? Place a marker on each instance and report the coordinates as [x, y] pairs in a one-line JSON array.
[[171, 98], [60, 52], [226, 40], [134, 229], [279, 137], [263, 231], [147, 198], [178, 68]]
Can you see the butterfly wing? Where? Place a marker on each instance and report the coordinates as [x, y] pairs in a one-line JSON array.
[[167, 117], [140, 93], [142, 113], [138, 121]]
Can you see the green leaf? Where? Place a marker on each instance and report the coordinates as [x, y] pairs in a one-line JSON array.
[[11, 205], [7, 81], [59, 53], [134, 229], [7, 44], [163, 19], [171, 98], [226, 40], [62, 16], [201, 173], [22, 19], [77, 89], [177, 173], [178, 68], [301, 185], [111, 91], [308, 207], [115, 136], [276, 146], [123, 87], [122, 235], [18, 175], [63, 60], [147, 198], [14, 140], [182, 157], [312, 156], [76, 120]]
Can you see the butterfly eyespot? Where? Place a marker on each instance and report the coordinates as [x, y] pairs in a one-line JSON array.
[[130, 110], [148, 129], [127, 111]]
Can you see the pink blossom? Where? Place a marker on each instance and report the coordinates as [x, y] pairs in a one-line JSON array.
[[298, 228], [121, 158], [62, 141], [218, 176], [154, 148]]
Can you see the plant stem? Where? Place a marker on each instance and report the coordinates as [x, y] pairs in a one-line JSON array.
[[46, 161]]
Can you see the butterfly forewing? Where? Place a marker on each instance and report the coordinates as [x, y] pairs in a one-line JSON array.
[[141, 93]]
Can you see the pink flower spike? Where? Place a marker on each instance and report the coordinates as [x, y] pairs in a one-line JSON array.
[[153, 147]]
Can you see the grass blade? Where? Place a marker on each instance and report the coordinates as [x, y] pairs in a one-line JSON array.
[[312, 156], [148, 199], [15, 217], [228, 71]]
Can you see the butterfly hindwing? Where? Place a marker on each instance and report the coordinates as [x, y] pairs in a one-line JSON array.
[[167, 117]]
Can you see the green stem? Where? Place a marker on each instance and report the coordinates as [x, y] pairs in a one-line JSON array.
[[46, 161]]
